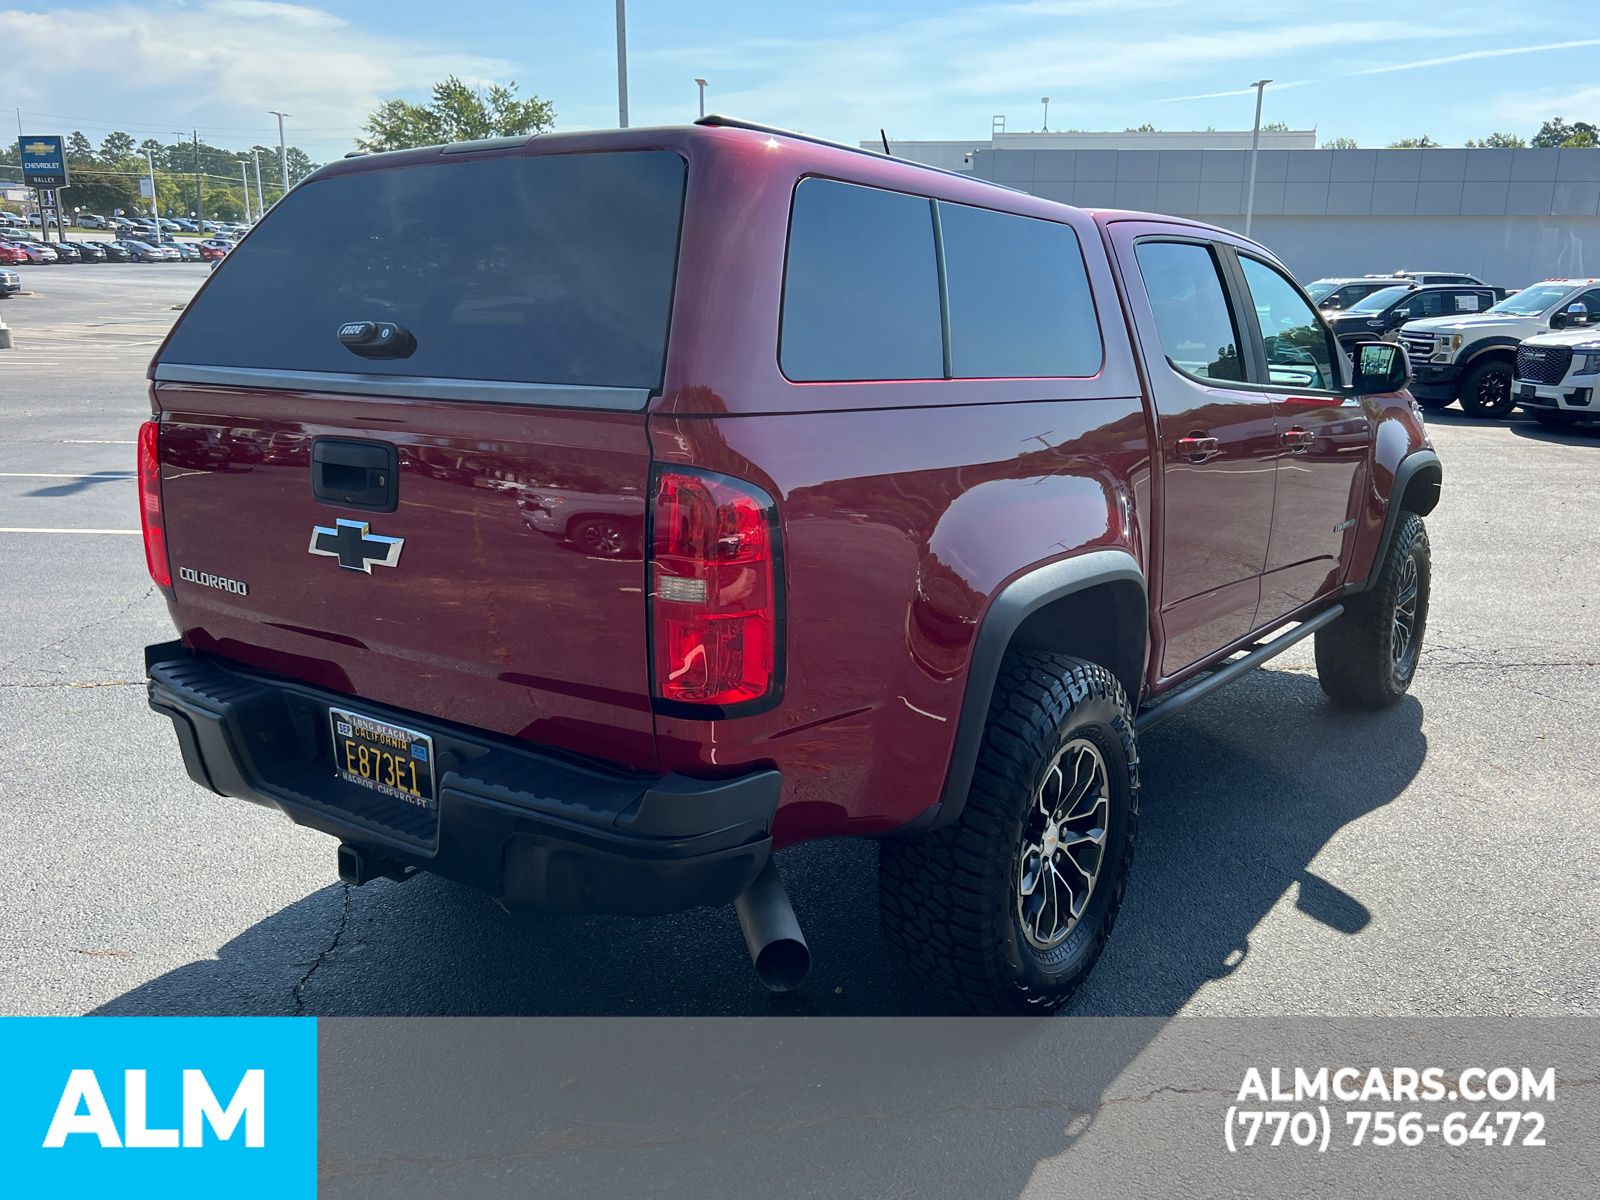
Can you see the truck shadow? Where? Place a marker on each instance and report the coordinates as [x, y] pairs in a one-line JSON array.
[[1240, 795]]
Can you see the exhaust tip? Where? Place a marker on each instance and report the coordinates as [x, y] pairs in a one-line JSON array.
[[783, 965], [771, 932]]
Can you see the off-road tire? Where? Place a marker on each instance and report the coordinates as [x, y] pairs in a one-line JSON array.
[[1358, 663], [949, 899], [1486, 390]]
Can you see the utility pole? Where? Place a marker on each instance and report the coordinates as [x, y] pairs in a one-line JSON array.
[[261, 197], [701, 84], [283, 153], [155, 208], [622, 63], [245, 179], [1260, 86], [1045, 100], [199, 206]]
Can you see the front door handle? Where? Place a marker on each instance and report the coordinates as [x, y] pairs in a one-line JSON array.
[[1298, 439], [1197, 447]]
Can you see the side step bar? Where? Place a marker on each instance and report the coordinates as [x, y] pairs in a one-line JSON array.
[[1230, 671]]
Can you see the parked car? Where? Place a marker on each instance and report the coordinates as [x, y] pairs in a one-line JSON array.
[[37, 221], [38, 253], [115, 251], [10, 283], [22, 235], [876, 599], [186, 225], [140, 251], [184, 250], [1437, 277], [11, 253], [89, 251], [1558, 376], [1382, 313], [93, 221], [214, 248], [1338, 293], [10, 218], [1474, 358], [66, 252]]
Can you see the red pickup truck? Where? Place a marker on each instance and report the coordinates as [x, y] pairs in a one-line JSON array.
[[924, 497]]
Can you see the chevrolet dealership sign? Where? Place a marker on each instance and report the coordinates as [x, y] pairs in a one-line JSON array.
[[44, 161]]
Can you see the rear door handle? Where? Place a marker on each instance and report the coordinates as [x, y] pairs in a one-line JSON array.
[[1298, 439], [1197, 447]]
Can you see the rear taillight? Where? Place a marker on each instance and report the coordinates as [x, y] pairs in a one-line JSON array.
[[714, 603], [150, 517]]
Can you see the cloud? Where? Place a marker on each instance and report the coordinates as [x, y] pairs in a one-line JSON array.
[[1472, 55], [222, 60]]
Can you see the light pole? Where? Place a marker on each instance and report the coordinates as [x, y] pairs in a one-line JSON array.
[[245, 179], [701, 84], [283, 154], [261, 197], [622, 63], [1045, 100], [1260, 86], [155, 207]]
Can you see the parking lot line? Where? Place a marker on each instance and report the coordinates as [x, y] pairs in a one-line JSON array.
[[47, 475], [19, 529]]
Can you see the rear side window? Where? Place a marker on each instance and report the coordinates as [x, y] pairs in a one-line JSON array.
[[1019, 296], [861, 286], [1193, 317], [538, 269]]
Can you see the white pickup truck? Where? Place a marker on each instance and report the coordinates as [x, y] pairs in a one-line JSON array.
[[1558, 376], [1474, 359]]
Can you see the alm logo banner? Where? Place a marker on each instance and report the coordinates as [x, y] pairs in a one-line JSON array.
[[159, 1106]]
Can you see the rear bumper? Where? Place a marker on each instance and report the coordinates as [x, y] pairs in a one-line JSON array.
[[535, 829]]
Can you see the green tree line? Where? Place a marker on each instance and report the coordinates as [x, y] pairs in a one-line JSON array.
[[106, 177], [1554, 134]]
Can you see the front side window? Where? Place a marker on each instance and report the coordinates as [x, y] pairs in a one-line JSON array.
[[860, 287], [1376, 302], [1530, 302], [1193, 317], [1298, 351]]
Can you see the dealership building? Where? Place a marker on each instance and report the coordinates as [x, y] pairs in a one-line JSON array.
[[1507, 216]]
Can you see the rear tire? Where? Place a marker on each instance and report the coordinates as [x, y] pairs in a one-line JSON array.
[[1486, 390], [1368, 657], [1006, 910]]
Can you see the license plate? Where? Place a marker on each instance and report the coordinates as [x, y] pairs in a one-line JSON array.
[[1527, 392], [388, 759]]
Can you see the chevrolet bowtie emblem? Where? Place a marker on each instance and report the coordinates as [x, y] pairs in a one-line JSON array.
[[38, 148], [354, 547]]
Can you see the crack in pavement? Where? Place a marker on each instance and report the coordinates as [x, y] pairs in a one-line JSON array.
[[298, 993]]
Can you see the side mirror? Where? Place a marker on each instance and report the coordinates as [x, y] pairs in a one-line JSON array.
[[1380, 367], [1558, 320]]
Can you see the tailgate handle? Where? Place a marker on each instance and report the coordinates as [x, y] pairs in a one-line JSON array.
[[355, 474]]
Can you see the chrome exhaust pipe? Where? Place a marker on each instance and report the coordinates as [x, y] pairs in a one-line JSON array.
[[771, 932]]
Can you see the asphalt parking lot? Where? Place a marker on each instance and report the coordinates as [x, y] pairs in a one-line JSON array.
[[1442, 857]]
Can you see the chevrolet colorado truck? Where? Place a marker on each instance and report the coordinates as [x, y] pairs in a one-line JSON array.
[[945, 492], [1474, 358]]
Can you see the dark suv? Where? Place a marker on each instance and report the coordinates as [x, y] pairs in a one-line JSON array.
[[1381, 313], [943, 492]]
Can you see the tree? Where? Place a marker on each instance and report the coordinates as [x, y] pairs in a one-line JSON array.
[[1275, 127], [1414, 143], [1340, 143], [1556, 132], [456, 113], [1145, 128], [1499, 141], [79, 146], [115, 147], [155, 148]]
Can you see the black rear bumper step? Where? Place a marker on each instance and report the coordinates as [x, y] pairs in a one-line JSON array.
[[537, 829]]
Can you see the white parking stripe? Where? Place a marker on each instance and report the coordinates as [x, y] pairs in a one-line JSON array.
[[125, 532], [42, 475], [94, 442]]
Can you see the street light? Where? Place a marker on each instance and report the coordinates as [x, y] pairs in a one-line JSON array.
[[701, 84], [283, 154], [1045, 100], [1260, 86], [245, 179], [622, 63]]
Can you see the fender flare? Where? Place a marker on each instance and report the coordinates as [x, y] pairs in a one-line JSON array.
[[1014, 603], [1413, 464], [1482, 346]]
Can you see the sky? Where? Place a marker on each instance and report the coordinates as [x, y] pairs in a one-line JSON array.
[[933, 69]]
